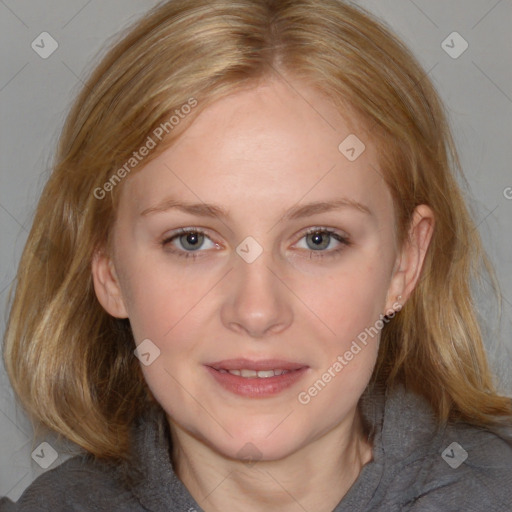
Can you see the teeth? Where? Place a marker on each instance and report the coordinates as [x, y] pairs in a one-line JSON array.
[[265, 374], [262, 374]]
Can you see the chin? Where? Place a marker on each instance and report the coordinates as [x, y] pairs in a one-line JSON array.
[[253, 443]]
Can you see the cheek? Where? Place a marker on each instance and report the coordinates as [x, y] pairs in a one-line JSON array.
[[160, 298], [167, 309], [350, 302], [349, 299]]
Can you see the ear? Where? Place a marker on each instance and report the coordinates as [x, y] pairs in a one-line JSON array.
[[106, 285], [411, 257]]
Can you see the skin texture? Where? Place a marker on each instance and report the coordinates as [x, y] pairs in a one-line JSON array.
[[258, 153]]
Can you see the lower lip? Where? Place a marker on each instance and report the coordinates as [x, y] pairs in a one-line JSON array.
[[255, 387]]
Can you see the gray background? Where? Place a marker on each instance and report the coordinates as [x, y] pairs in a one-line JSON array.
[[35, 95]]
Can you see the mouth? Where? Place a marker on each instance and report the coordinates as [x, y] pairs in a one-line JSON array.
[[251, 374], [256, 379]]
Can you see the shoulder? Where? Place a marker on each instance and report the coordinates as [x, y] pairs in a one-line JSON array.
[[468, 469], [454, 467], [79, 484]]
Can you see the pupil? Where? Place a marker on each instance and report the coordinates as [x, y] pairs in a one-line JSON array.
[[192, 240], [319, 240]]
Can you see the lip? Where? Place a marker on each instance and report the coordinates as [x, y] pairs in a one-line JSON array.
[[261, 365], [254, 387]]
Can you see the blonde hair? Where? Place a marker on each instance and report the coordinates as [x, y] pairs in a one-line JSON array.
[[72, 365]]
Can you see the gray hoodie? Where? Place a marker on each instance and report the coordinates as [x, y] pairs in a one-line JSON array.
[[416, 467]]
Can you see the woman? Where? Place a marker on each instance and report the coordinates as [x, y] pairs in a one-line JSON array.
[[257, 293]]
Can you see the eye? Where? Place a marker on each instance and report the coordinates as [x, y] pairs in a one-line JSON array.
[[191, 242], [324, 242], [187, 241]]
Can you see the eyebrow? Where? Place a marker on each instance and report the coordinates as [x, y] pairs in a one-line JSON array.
[[296, 212]]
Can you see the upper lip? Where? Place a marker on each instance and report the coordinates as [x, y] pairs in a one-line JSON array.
[[261, 365]]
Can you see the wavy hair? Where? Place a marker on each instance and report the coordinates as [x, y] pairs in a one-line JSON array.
[[72, 365]]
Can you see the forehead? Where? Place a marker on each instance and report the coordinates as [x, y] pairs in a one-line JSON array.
[[275, 144]]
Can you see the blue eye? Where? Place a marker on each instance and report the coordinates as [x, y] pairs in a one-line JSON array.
[[318, 240], [191, 242], [188, 241]]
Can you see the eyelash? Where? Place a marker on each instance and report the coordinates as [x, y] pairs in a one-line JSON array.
[[343, 240]]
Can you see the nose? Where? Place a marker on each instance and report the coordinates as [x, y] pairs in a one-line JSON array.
[[256, 302]]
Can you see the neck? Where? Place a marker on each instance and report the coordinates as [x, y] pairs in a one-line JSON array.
[[314, 477]]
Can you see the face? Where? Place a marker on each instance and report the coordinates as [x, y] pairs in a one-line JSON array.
[[255, 244]]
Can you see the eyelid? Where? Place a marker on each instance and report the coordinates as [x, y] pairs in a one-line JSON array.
[[340, 236], [183, 231], [166, 241], [325, 229]]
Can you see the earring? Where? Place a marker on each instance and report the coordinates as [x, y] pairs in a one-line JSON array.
[[399, 298]]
